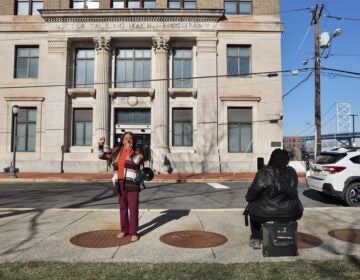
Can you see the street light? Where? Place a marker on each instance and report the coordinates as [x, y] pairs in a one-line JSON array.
[[15, 111]]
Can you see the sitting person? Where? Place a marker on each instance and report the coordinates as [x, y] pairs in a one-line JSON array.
[[273, 195]]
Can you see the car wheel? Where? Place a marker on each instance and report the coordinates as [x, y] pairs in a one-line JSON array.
[[352, 196]]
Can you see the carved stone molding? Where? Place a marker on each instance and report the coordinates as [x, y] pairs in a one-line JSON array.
[[57, 46], [241, 98], [75, 92], [173, 92], [161, 43], [132, 92], [103, 44]]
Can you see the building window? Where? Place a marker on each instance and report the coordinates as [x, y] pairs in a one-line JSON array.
[[28, 7], [84, 68], [126, 116], [238, 60], [85, 4], [238, 7], [182, 4], [134, 4], [133, 68], [27, 62], [182, 68], [182, 127], [26, 130], [82, 127], [240, 130]]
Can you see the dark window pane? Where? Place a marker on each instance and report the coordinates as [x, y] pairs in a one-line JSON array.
[[22, 68], [133, 116], [149, 4], [232, 66], [33, 69], [230, 8], [240, 130], [244, 66], [174, 4], [80, 74], [82, 123], [133, 4], [245, 8], [26, 130], [182, 127]]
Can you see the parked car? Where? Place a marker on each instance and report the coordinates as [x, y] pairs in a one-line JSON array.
[[337, 173]]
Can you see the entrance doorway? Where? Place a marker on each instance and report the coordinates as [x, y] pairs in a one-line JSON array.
[[137, 121]]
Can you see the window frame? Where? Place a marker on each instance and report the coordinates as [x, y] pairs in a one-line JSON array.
[[126, 4], [174, 49], [74, 122], [239, 58], [17, 47], [182, 4], [145, 82], [30, 7], [182, 122], [237, 6], [241, 124], [27, 124], [86, 84]]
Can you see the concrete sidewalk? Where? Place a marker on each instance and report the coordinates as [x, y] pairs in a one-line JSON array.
[[106, 177], [44, 235]]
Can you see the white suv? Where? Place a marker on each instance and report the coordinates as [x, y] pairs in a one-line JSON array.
[[337, 173]]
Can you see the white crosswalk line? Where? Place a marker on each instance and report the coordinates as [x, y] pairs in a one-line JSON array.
[[218, 186]]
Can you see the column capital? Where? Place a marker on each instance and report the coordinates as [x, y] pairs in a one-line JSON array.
[[161, 43], [103, 44]]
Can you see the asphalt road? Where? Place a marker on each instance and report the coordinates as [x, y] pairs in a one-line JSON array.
[[155, 196]]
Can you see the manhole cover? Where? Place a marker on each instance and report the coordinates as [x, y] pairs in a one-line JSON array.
[[99, 239], [193, 239], [348, 235], [307, 241]]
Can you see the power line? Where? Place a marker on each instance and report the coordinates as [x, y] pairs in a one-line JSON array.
[[342, 18], [268, 73], [296, 86]]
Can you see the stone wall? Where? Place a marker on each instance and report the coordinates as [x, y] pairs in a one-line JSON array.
[[265, 7], [7, 7]]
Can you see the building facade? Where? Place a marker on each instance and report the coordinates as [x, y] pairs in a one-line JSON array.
[[188, 77]]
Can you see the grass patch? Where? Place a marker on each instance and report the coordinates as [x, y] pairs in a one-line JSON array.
[[135, 271]]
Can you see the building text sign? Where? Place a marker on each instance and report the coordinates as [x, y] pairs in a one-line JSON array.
[[119, 26]]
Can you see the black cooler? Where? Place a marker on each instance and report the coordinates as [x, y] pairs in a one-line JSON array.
[[279, 239]]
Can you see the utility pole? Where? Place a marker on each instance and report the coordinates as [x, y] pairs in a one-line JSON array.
[[315, 21], [353, 123]]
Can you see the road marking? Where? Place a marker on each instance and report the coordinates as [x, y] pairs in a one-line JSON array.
[[218, 186]]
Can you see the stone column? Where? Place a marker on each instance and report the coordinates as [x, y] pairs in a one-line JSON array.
[[161, 101], [102, 80], [207, 104]]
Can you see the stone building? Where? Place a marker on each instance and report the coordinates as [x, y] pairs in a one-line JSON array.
[[188, 77]]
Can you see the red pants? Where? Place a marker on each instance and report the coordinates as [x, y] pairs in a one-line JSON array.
[[128, 202]]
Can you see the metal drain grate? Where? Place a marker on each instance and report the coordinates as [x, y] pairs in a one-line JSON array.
[[99, 239], [307, 241], [193, 239], [348, 235]]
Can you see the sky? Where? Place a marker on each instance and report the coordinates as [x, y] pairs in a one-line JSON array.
[[298, 45]]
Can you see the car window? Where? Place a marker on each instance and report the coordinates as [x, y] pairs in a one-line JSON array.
[[355, 159], [328, 158]]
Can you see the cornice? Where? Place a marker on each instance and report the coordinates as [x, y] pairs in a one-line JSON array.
[[132, 15]]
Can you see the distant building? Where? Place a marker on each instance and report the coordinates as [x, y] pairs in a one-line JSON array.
[[79, 70], [295, 146]]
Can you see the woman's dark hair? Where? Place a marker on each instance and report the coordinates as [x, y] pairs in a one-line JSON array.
[[279, 160], [122, 137]]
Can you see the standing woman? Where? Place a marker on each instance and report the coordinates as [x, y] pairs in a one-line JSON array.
[[126, 162], [273, 195]]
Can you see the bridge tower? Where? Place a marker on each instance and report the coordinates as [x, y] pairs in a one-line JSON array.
[[343, 122]]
